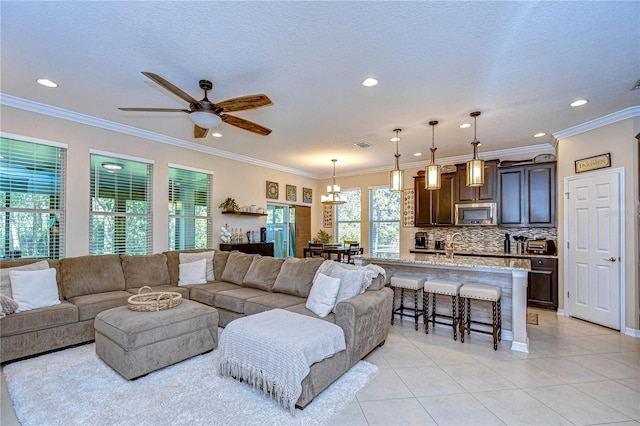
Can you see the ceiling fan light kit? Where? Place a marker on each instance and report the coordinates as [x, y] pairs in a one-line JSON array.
[[432, 171], [206, 114], [475, 167], [397, 175]]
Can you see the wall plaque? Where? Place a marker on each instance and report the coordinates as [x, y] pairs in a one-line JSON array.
[[593, 163]]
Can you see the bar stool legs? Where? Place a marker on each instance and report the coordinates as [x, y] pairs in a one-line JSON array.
[[409, 283], [444, 288], [481, 293]]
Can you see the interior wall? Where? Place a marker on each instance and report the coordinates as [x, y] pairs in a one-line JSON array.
[[619, 140], [242, 181]]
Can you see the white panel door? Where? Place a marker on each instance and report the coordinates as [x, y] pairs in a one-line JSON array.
[[594, 248]]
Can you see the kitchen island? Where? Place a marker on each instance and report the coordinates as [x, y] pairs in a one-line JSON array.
[[509, 274]]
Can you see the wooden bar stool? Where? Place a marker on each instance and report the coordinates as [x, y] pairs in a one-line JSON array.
[[407, 283], [445, 288], [486, 293]]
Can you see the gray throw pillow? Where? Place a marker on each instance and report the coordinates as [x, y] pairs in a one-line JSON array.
[[144, 269], [296, 276], [236, 268], [262, 273]]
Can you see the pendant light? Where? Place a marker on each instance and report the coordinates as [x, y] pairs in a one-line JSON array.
[[475, 167], [432, 171], [333, 190], [397, 175]]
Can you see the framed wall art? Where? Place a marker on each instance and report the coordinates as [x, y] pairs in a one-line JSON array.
[[273, 191], [593, 163], [292, 193], [327, 216], [408, 205], [307, 195]]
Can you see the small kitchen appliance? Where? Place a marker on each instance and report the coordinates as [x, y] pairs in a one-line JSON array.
[[421, 240], [541, 247]]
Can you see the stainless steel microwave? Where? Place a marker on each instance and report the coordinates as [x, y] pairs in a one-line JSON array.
[[478, 214]]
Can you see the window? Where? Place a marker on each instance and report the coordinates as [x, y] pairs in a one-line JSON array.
[[121, 205], [32, 197], [348, 216], [384, 221], [190, 223]]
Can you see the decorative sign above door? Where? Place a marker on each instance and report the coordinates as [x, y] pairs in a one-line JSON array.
[[593, 163]]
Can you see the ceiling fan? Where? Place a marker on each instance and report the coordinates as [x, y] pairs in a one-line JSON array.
[[205, 114]]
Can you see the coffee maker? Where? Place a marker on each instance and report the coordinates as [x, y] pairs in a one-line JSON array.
[[421, 240]]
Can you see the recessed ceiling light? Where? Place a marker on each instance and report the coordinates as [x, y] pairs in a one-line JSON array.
[[369, 82], [112, 166], [579, 102], [216, 135], [465, 125], [539, 135], [46, 82], [417, 154]]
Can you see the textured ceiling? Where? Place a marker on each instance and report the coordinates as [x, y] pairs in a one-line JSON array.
[[519, 63]]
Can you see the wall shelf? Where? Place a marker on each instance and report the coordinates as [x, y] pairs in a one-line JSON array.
[[244, 213]]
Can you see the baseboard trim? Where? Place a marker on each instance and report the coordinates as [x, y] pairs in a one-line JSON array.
[[632, 332], [561, 313]]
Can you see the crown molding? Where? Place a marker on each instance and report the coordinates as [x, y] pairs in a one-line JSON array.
[[630, 112], [65, 114], [531, 150]]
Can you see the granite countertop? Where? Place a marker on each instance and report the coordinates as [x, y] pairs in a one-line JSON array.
[[487, 254], [465, 262]]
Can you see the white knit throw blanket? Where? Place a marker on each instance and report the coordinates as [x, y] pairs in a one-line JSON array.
[[273, 350]]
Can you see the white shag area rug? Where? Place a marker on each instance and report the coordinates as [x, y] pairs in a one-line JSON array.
[[75, 387]]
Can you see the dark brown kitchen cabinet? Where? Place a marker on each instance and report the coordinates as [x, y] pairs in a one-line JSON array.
[[483, 194], [527, 195], [436, 207], [543, 284]]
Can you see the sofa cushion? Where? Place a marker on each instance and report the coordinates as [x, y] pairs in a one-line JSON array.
[[173, 260], [219, 263], [39, 319], [322, 297], [91, 305], [206, 293], [236, 268], [263, 272], [182, 290], [233, 300], [296, 276], [141, 270], [91, 274], [194, 257], [265, 302], [302, 309], [193, 273]]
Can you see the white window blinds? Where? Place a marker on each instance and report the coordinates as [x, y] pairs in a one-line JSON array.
[[190, 222], [32, 199], [348, 216], [384, 221], [121, 206]]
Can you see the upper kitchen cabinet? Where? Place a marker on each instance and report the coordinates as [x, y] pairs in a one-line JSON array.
[[527, 195], [434, 208], [483, 194]]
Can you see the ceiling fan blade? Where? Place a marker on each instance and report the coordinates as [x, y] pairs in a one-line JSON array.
[[199, 132], [244, 102], [245, 124], [171, 87], [155, 109]]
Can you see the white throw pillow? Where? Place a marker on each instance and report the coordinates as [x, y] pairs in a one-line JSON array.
[[5, 281], [322, 296], [193, 273], [350, 283], [34, 289], [192, 257]]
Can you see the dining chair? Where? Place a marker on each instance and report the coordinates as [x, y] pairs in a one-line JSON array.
[[316, 249], [354, 250]]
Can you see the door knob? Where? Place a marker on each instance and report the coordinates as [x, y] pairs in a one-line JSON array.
[[611, 259]]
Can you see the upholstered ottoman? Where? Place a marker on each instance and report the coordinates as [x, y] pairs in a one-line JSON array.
[[137, 343]]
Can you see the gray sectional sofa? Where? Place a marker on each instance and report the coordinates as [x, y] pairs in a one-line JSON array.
[[244, 285]]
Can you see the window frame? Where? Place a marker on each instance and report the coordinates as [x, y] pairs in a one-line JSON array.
[[346, 222], [372, 209]]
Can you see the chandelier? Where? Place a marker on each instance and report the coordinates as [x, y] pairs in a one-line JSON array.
[[333, 190]]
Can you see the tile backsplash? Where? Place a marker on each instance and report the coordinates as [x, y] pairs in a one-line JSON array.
[[486, 239]]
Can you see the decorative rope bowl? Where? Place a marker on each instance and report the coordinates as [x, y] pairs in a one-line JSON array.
[[153, 300]]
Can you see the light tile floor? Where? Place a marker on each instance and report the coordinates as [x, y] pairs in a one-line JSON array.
[[577, 373]]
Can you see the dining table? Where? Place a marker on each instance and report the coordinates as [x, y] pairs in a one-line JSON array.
[[329, 249]]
